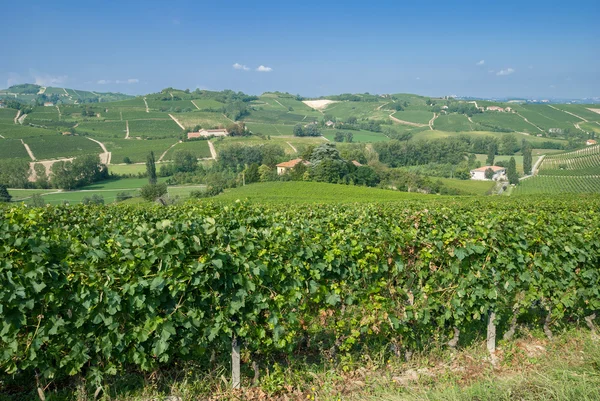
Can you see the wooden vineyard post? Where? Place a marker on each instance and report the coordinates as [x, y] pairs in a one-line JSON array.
[[491, 334], [235, 363]]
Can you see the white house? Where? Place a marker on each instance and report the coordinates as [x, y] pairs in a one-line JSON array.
[[207, 133], [330, 123], [284, 167], [479, 173], [590, 142]]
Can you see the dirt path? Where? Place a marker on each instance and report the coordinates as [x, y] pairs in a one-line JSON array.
[[228, 118], [293, 147], [280, 104], [67, 93], [121, 115], [385, 104], [195, 104], [28, 150], [406, 122], [213, 152], [127, 129], [432, 121], [17, 116], [42, 90], [178, 123], [165, 152], [568, 112], [22, 118], [59, 114], [475, 103], [146, 103], [47, 165], [322, 137], [528, 122], [106, 156], [1, 136]]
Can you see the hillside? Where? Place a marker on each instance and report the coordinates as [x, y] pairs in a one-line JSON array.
[[31, 93]]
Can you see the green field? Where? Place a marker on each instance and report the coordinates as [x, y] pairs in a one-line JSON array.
[[357, 136], [12, 149], [360, 110], [455, 123], [121, 169], [582, 162], [111, 129], [546, 117], [204, 119], [199, 148], [135, 149], [52, 147], [437, 134], [154, 129], [468, 187], [510, 121], [414, 116], [18, 131], [273, 129], [581, 110], [506, 158], [315, 192], [557, 185]]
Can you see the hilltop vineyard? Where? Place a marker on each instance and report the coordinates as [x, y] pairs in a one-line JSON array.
[[95, 290]]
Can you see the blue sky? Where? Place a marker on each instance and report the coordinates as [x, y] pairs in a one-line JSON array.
[[536, 49]]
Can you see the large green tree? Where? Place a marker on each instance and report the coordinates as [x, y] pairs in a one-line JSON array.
[[513, 176], [526, 149], [4, 195], [185, 161], [491, 153], [151, 169], [14, 173]]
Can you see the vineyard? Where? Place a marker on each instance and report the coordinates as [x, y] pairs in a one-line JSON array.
[[93, 291], [580, 162], [559, 184]]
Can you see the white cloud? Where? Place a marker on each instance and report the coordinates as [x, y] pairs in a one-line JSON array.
[[103, 82], [118, 81], [480, 62], [507, 71], [133, 81], [48, 80], [262, 68], [238, 66]]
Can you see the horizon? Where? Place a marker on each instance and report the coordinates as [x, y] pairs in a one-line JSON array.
[[545, 51]]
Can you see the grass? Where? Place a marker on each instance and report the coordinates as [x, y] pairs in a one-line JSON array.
[[155, 128], [360, 110], [468, 187], [543, 184], [204, 119], [199, 148], [17, 131], [414, 116], [315, 192], [12, 149], [274, 129], [122, 169], [51, 147], [136, 150], [436, 134], [454, 122], [529, 368], [357, 136], [112, 129], [120, 184], [505, 120]]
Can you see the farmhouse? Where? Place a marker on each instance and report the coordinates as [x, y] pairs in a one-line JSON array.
[[494, 108], [508, 109], [48, 104], [207, 133], [479, 173], [590, 142], [330, 123], [284, 167]]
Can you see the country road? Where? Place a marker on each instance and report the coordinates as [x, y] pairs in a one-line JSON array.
[[534, 168], [529, 122], [106, 156], [178, 123], [165, 152], [17, 117], [59, 114], [28, 150], [406, 122], [432, 121], [146, 103], [126, 129], [568, 112], [22, 118], [195, 104], [213, 152], [293, 147]]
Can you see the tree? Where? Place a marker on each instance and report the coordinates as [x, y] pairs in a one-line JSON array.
[[14, 173], [266, 173], [4, 195], [513, 176], [88, 169], [298, 130], [339, 136], [349, 136], [251, 173], [492, 149], [526, 149], [127, 160], [509, 144], [151, 192], [95, 199], [489, 173], [37, 201], [151, 169], [63, 176], [41, 180], [185, 161]]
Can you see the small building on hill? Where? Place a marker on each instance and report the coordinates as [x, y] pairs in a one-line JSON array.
[[284, 167], [357, 164], [207, 133], [494, 108], [479, 173], [330, 123], [48, 104], [591, 142]]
